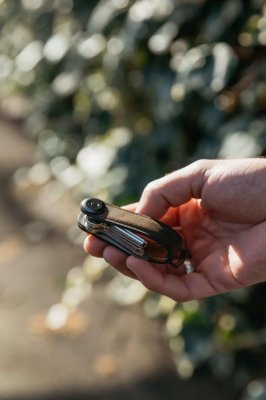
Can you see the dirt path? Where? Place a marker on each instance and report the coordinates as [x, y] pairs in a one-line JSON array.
[[120, 354]]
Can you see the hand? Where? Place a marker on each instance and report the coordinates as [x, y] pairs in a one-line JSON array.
[[220, 206]]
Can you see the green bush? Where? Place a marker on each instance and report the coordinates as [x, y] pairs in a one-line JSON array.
[[125, 91]]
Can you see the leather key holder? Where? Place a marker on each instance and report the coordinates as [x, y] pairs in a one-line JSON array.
[[135, 234]]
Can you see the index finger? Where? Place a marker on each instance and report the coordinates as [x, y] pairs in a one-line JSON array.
[[174, 189]]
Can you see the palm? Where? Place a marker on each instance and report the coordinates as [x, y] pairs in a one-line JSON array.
[[219, 249]]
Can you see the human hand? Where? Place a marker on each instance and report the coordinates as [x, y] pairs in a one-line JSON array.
[[220, 206]]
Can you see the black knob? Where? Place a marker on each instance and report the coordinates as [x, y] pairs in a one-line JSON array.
[[92, 206]]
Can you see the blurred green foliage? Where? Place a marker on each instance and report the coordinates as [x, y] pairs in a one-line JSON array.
[[166, 82], [120, 92]]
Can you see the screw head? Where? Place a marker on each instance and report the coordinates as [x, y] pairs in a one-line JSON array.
[[93, 205]]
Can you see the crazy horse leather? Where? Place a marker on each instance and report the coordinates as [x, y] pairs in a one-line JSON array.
[[159, 233]]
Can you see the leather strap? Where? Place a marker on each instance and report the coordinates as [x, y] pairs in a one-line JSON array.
[[157, 231]]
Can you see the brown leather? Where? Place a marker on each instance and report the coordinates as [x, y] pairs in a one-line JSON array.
[[158, 232]]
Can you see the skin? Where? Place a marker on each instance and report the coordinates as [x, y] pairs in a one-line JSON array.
[[220, 206]]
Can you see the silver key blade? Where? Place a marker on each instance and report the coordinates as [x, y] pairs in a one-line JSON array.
[[120, 237]]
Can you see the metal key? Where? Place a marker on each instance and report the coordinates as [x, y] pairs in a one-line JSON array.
[[120, 237]]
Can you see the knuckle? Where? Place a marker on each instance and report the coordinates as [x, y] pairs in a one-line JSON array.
[[201, 165], [151, 286], [151, 188]]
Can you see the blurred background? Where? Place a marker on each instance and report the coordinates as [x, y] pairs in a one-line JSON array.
[[99, 98]]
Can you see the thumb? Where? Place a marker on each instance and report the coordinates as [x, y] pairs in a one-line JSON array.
[[174, 189]]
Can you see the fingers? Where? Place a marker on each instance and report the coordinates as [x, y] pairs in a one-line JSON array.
[[174, 189], [157, 278], [94, 246], [179, 288], [113, 256], [130, 207], [117, 259]]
